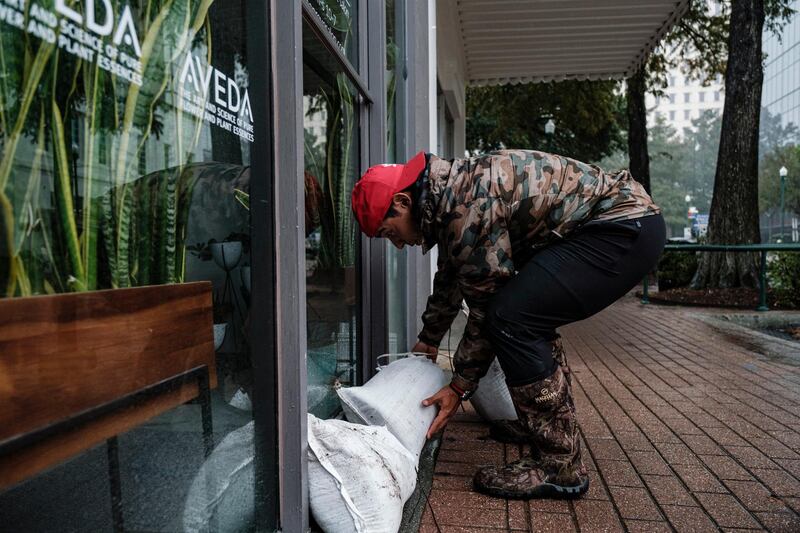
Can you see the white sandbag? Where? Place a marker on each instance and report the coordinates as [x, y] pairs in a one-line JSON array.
[[359, 477], [492, 401], [393, 398], [221, 495], [241, 400]]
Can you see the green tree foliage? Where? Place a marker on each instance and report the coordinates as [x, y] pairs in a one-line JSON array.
[[68, 223], [698, 44], [772, 134], [769, 180], [589, 117], [680, 165], [784, 278], [778, 147], [734, 208]]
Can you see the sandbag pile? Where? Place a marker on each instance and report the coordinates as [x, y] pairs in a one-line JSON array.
[[492, 401], [373, 457], [393, 398], [359, 477], [360, 472], [221, 495]]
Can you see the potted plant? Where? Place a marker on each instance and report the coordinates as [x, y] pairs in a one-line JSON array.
[[226, 253]]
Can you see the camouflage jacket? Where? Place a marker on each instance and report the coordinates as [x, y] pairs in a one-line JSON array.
[[489, 215]]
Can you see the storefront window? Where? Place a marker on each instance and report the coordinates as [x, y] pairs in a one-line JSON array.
[[397, 260], [340, 20], [125, 137], [331, 118]]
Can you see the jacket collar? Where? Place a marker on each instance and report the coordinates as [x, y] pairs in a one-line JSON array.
[[437, 175]]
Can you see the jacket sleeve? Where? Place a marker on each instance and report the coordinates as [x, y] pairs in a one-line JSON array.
[[482, 257], [443, 305]]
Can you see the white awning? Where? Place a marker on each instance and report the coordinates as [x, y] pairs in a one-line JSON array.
[[518, 41]]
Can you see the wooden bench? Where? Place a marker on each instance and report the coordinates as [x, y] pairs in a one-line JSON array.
[[77, 369]]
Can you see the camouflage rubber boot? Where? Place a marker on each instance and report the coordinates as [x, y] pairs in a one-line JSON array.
[[509, 432], [560, 355], [512, 431], [546, 409]]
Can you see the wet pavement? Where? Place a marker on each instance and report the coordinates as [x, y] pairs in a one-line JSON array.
[[685, 428]]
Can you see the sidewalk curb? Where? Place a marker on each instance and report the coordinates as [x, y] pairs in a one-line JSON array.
[[415, 506]]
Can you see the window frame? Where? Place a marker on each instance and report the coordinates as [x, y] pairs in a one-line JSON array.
[[286, 103]]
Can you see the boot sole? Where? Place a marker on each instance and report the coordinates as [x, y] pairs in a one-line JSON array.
[[545, 490]]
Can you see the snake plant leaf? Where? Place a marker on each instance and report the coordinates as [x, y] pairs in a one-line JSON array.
[[93, 81], [345, 235], [242, 197], [64, 196], [109, 224], [29, 90], [6, 245]]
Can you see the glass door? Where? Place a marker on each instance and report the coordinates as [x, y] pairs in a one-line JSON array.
[[333, 108], [396, 260]]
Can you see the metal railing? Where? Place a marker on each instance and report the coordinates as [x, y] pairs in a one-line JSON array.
[[761, 248]]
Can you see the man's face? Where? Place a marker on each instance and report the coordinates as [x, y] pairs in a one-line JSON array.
[[401, 229]]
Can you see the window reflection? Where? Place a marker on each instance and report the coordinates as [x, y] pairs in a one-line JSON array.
[[109, 180], [396, 260], [331, 150], [340, 19]]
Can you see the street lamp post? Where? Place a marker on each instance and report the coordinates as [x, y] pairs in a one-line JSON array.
[[549, 130], [783, 172], [688, 200]]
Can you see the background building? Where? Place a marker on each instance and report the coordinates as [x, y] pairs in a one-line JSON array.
[[780, 120], [781, 92], [684, 99]]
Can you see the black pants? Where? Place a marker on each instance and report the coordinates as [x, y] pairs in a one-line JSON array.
[[566, 282]]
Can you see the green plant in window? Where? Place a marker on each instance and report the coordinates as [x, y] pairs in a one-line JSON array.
[[392, 57], [341, 173], [21, 109], [337, 168], [67, 221], [167, 39], [242, 197]]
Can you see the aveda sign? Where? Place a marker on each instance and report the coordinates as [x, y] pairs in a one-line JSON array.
[[98, 35], [213, 95], [101, 34], [104, 23]]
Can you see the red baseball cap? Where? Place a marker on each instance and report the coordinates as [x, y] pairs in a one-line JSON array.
[[372, 195]]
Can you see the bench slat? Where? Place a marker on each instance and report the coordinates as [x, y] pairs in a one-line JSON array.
[[65, 354]]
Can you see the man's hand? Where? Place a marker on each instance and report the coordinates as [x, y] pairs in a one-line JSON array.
[[447, 401], [431, 352]]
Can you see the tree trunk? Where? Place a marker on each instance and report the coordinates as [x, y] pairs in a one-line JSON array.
[[734, 206], [637, 129]]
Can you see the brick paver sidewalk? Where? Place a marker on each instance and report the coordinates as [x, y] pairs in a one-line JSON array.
[[683, 431]]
